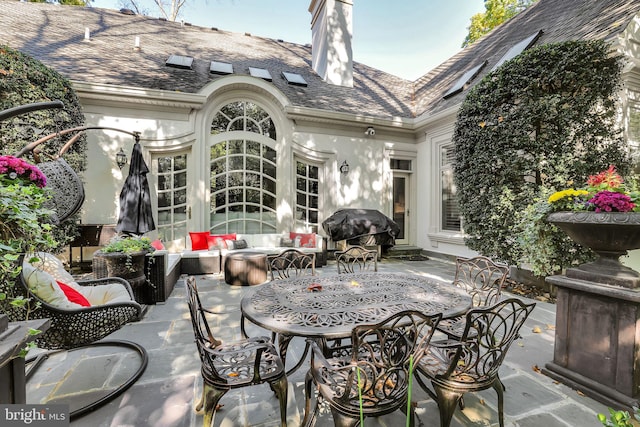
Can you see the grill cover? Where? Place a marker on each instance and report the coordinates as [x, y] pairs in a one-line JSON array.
[[361, 227]]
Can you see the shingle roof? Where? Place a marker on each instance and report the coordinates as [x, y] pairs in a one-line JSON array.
[[560, 20], [54, 34]]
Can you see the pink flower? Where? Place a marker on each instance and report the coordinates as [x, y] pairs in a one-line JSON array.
[[24, 170], [611, 201]]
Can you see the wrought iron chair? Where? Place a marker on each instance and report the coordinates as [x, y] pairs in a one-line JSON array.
[[471, 364], [483, 280], [291, 263], [236, 364], [75, 328], [287, 264], [379, 361], [356, 258]]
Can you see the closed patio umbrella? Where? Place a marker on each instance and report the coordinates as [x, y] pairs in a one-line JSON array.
[[135, 198]]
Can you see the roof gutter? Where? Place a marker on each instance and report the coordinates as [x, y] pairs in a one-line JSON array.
[[314, 115], [135, 95]]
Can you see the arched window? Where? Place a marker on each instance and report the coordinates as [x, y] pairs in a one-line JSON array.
[[243, 116], [243, 171]]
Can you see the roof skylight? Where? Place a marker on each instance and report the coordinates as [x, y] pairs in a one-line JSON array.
[[260, 73], [294, 79], [462, 81], [179, 61], [221, 68], [518, 48]]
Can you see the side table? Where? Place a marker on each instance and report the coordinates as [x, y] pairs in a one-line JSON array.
[[245, 268]]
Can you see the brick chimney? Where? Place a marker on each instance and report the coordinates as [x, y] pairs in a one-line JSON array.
[[331, 32]]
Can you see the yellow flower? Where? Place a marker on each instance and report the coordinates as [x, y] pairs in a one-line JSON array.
[[559, 195]]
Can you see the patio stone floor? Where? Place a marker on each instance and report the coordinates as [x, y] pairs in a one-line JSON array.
[[168, 391]]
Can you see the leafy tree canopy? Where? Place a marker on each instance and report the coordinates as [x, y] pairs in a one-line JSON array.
[[539, 123], [496, 12]]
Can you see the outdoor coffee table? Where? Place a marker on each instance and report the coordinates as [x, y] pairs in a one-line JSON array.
[[328, 307]]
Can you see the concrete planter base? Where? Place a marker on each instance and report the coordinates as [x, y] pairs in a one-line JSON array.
[[597, 340]]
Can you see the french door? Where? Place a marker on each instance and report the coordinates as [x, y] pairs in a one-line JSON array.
[[401, 208]]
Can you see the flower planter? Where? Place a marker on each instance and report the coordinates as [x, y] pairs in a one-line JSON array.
[[610, 235], [129, 266], [597, 334]]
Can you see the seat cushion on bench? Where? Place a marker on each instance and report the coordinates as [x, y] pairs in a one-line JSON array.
[[200, 262]]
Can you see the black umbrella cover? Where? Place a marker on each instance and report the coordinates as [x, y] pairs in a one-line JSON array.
[[136, 215]]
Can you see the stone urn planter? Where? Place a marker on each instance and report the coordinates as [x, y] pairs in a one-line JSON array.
[[597, 337], [610, 235]]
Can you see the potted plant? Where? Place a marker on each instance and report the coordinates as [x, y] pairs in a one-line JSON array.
[[598, 302], [603, 216], [124, 257]]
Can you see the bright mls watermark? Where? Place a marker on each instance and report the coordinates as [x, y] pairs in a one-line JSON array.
[[34, 415]]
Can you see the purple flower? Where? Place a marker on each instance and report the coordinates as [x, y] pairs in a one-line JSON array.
[[611, 201]]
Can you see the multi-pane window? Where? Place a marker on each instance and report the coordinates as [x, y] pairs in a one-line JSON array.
[[243, 187], [172, 196], [307, 190], [243, 116], [243, 172], [450, 211]]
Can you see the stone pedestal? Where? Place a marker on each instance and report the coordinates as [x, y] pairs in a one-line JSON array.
[[597, 341]]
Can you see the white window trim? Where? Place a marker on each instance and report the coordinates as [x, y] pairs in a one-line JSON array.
[[436, 234]]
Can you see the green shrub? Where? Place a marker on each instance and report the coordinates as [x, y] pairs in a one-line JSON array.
[[619, 418], [539, 122]]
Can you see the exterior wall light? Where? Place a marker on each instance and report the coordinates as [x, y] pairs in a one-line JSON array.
[[344, 168], [121, 158]]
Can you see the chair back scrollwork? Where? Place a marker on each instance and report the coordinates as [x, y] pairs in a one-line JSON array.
[[377, 371], [291, 263], [481, 278], [472, 363], [356, 259]]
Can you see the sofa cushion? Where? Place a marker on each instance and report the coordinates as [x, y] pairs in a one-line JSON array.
[[158, 245], [286, 242], [199, 240], [240, 244], [307, 240], [52, 265], [45, 287], [218, 241]]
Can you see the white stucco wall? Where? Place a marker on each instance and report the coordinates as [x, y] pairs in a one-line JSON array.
[[183, 125]]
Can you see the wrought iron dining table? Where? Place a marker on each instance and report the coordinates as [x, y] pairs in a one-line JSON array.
[[327, 307]]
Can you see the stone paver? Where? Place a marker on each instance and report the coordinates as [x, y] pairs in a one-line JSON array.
[[168, 391]]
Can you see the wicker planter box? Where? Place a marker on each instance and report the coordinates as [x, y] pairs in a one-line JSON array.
[[161, 274]]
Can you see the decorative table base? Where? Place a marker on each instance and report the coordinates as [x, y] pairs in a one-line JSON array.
[[597, 342]]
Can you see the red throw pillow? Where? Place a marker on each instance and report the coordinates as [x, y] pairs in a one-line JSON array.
[[307, 240], [73, 295], [157, 245], [199, 240]]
